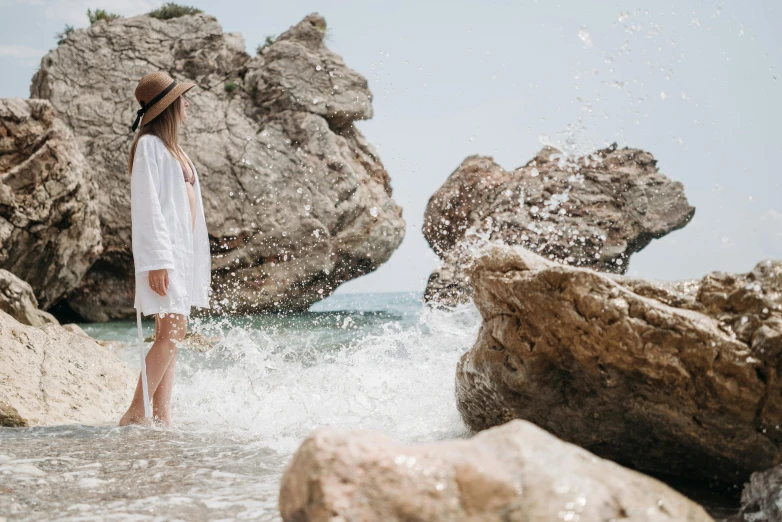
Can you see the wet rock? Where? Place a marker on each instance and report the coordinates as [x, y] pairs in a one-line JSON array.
[[18, 300], [513, 472], [678, 378], [296, 201], [52, 376], [592, 212], [761, 500], [49, 230]]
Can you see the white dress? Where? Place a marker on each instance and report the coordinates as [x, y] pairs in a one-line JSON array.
[[162, 232]]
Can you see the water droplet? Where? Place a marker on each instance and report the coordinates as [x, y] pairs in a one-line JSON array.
[[586, 38], [315, 101], [534, 173], [373, 211], [318, 68]]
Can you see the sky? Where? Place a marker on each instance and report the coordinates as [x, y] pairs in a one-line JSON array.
[[694, 82]]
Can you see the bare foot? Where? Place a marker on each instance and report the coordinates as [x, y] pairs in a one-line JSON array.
[[163, 422], [133, 418]]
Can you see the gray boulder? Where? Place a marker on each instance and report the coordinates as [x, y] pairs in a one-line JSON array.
[[296, 201], [591, 212], [49, 229]]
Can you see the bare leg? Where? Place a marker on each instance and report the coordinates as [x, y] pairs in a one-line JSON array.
[[161, 404], [169, 330]]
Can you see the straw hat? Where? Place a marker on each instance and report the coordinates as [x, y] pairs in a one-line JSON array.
[[155, 92]]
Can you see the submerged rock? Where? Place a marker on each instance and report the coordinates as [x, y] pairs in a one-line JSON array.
[[674, 378], [514, 472], [296, 201], [52, 376], [18, 300], [49, 229], [592, 212]]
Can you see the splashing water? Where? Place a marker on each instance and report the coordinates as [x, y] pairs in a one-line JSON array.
[[368, 361]]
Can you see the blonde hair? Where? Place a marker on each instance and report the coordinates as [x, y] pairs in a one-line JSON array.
[[166, 127]]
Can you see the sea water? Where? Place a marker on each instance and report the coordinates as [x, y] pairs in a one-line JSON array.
[[382, 362]]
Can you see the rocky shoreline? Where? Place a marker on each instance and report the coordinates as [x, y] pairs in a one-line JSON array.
[[580, 380]]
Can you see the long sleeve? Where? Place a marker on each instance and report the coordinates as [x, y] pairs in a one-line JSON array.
[[152, 248]]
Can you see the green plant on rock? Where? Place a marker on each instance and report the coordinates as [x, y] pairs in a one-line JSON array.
[[101, 14], [266, 43], [62, 36], [172, 10], [230, 86]]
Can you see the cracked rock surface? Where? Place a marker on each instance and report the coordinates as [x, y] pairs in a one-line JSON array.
[[296, 201], [50, 375], [18, 301], [49, 228], [592, 212], [513, 472], [675, 378]]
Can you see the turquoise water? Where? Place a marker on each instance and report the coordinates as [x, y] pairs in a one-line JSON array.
[[371, 361]]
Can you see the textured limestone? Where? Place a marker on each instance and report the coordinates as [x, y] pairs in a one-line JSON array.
[[49, 229], [296, 201], [677, 378], [18, 300], [52, 376], [593, 212], [516, 472]]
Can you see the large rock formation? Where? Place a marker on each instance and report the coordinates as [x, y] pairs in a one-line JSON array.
[[52, 376], [675, 378], [49, 229], [592, 212], [296, 201], [515, 472], [18, 301]]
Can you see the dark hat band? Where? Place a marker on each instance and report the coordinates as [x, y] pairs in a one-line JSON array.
[[145, 106]]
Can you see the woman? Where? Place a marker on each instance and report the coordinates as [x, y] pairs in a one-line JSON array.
[[170, 241]]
